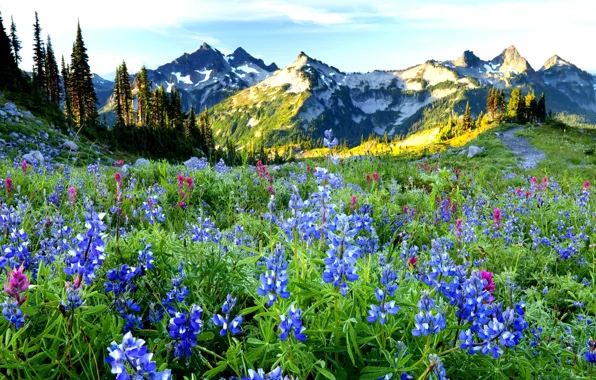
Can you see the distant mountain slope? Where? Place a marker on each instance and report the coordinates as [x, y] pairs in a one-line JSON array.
[[204, 77], [308, 96]]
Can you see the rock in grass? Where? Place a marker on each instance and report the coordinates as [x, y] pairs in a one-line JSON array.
[[70, 145], [474, 151], [139, 163], [34, 156]]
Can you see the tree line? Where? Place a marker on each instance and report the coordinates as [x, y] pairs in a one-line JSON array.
[[49, 88], [519, 109]]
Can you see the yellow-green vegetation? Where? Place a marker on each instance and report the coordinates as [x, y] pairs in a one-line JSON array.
[[257, 115]]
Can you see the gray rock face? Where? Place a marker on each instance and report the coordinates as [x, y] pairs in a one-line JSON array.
[[34, 156], [141, 162], [474, 151], [70, 145]]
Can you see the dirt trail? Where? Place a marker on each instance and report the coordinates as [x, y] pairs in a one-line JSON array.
[[522, 148]]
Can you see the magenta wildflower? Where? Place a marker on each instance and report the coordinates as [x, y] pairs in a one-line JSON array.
[[9, 186], [24, 166], [72, 194], [375, 177], [17, 285], [353, 203], [488, 276], [497, 217]]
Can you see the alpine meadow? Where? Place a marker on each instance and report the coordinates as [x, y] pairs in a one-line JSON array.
[[357, 212]]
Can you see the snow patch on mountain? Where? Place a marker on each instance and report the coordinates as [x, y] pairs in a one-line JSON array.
[[184, 79], [247, 69], [206, 73], [372, 105]]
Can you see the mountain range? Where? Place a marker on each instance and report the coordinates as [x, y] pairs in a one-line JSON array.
[[252, 102]]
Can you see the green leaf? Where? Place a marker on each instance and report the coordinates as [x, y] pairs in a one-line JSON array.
[[208, 335], [325, 373]]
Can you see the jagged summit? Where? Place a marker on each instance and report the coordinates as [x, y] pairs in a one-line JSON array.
[[468, 59], [555, 60], [511, 61], [241, 56]]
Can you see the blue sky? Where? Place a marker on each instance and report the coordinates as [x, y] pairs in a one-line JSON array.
[[357, 35]]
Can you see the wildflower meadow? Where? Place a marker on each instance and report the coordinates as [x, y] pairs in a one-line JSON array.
[[356, 268]]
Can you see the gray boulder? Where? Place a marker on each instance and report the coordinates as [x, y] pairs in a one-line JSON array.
[[474, 151], [139, 163], [14, 135], [2, 114], [34, 156], [10, 107], [28, 115], [124, 171], [70, 145], [38, 122]]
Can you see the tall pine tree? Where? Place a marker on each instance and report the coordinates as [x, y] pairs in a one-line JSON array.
[[39, 76], [52, 74], [67, 105], [14, 41], [514, 107], [81, 90], [467, 123], [530, 107], [491, 103], [8, 66], [143, 97], [541, 109], [117, 95]]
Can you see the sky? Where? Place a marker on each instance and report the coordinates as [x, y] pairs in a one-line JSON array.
[[352, 35]]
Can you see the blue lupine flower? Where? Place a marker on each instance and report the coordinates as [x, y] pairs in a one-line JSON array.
[[388, 279], [340, 263], [438, 369], [224, 322], [12, 313], [184, 329], [426, 322], [590, 355], [292, 323], [329, 141], [259, 374], [274, 282], [130, 360], [88, 253]]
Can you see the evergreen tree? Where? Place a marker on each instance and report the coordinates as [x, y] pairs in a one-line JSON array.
[[52, 74], [479, 120], [143, 97], [14, 41], [117, 95], [541, 109], [467, 123], [82, 92], [39, 77], [125, 95], [530, 107], [175, 110], [491, 103], [514, 107], [8, 66], [500, 107], [65, 72]]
